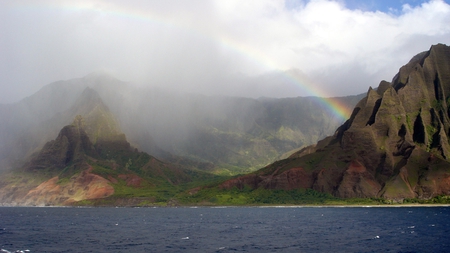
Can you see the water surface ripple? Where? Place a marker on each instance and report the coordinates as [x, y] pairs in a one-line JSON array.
[[232, 229]]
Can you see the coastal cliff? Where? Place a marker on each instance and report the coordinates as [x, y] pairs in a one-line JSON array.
[[395, 145]]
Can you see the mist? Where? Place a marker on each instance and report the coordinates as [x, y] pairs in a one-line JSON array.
[[215, 47], [230, 133]]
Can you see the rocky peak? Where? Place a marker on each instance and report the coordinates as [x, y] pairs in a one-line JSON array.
[[71, 145], [394, 145], [413, 109], [391, 129]]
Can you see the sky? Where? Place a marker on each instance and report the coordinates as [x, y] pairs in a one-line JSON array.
[[228, 47]]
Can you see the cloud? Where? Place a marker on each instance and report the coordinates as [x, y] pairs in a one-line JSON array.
[[199, 46]]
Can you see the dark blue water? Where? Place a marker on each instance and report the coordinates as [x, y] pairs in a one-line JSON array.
[[252, 229]]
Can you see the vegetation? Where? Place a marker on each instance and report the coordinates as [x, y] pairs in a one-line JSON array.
[[441, 199], [247, 196], [400, 148]]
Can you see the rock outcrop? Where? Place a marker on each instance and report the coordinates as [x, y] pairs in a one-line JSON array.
[[85, 161], [71, 145], [81, 186], [395, 144]]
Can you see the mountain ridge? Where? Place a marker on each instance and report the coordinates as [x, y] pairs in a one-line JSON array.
[[72, 168], [171, 125], [395, 145]]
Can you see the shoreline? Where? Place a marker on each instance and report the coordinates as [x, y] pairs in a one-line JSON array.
[[244, 206]]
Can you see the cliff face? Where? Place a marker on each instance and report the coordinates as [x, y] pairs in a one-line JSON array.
[[86, 161], [58, 174], [70, 146], [395, 144]]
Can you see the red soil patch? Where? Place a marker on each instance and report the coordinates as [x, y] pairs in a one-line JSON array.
[[131, 180]]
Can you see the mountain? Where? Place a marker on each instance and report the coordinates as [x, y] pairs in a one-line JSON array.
[[224, 135], [30, 123], [394, 146], [91, 160]]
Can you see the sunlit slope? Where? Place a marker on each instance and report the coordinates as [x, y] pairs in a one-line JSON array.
[[394, 146]]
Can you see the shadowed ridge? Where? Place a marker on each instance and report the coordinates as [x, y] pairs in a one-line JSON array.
[[71, 168], [71, 146], [395, 145]]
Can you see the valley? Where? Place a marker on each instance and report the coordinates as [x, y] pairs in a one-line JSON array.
[[98, 141]]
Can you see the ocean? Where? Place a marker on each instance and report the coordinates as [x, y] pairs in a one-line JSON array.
[[228, 229]]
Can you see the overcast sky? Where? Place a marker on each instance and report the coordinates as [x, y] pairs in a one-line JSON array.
[[342, 47]]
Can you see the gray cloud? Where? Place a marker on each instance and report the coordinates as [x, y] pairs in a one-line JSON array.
[[212, 47]]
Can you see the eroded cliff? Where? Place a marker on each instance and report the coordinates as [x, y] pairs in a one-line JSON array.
[[395, 144]]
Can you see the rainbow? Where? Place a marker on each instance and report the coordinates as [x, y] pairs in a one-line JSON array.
[[340, 110]]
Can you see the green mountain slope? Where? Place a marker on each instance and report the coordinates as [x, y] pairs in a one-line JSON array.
[[224, 135], [395, 145], [91, 160]]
